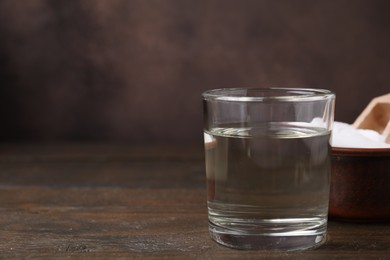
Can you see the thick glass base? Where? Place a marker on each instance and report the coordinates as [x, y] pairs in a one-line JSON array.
[[274, 242]]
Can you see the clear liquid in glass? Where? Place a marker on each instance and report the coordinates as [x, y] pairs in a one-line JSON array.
[[268, 185]]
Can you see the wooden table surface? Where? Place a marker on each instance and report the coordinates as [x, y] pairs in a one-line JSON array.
[[106, 201]]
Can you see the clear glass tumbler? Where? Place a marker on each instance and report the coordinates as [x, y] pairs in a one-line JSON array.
[[268, 166]]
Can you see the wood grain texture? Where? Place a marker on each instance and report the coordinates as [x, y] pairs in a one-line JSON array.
[[118, 202]]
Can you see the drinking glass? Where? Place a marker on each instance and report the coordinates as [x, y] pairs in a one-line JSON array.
[[267, 155]]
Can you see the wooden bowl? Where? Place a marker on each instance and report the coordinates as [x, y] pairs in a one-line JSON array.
[[360, 184]]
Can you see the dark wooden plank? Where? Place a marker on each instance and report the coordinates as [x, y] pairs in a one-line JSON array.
[[137, 174], [102, 165], [24, 152], [106, 222], [90, 205], [74, 220]]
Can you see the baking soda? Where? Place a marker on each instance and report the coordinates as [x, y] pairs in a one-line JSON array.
[[346, 136]]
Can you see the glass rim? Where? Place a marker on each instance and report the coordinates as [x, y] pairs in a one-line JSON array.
[[285, 94]]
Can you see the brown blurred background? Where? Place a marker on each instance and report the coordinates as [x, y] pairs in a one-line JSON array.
[[133, 70]]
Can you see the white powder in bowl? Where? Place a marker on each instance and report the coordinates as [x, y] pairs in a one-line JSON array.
[[346, 136]]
